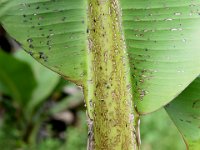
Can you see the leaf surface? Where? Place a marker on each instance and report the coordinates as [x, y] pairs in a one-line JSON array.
[[163, 45], [53, 32], [162, 39], [185, 113]]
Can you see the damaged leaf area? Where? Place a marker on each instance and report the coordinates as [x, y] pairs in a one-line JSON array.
[[185, 113]]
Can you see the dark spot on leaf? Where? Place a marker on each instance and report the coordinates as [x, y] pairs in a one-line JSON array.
[[196, 104], [188, 121], [30, 53], [63, 19], [29, 40], [42, 56], [31, 46]]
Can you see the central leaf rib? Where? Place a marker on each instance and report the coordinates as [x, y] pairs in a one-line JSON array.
[[109, 96]]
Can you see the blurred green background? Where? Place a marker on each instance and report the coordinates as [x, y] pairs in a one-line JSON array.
[[41, 111]]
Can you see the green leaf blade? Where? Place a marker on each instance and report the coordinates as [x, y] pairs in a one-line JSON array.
[[54, 33], [185, 113], [161, 37], [163, 45]]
